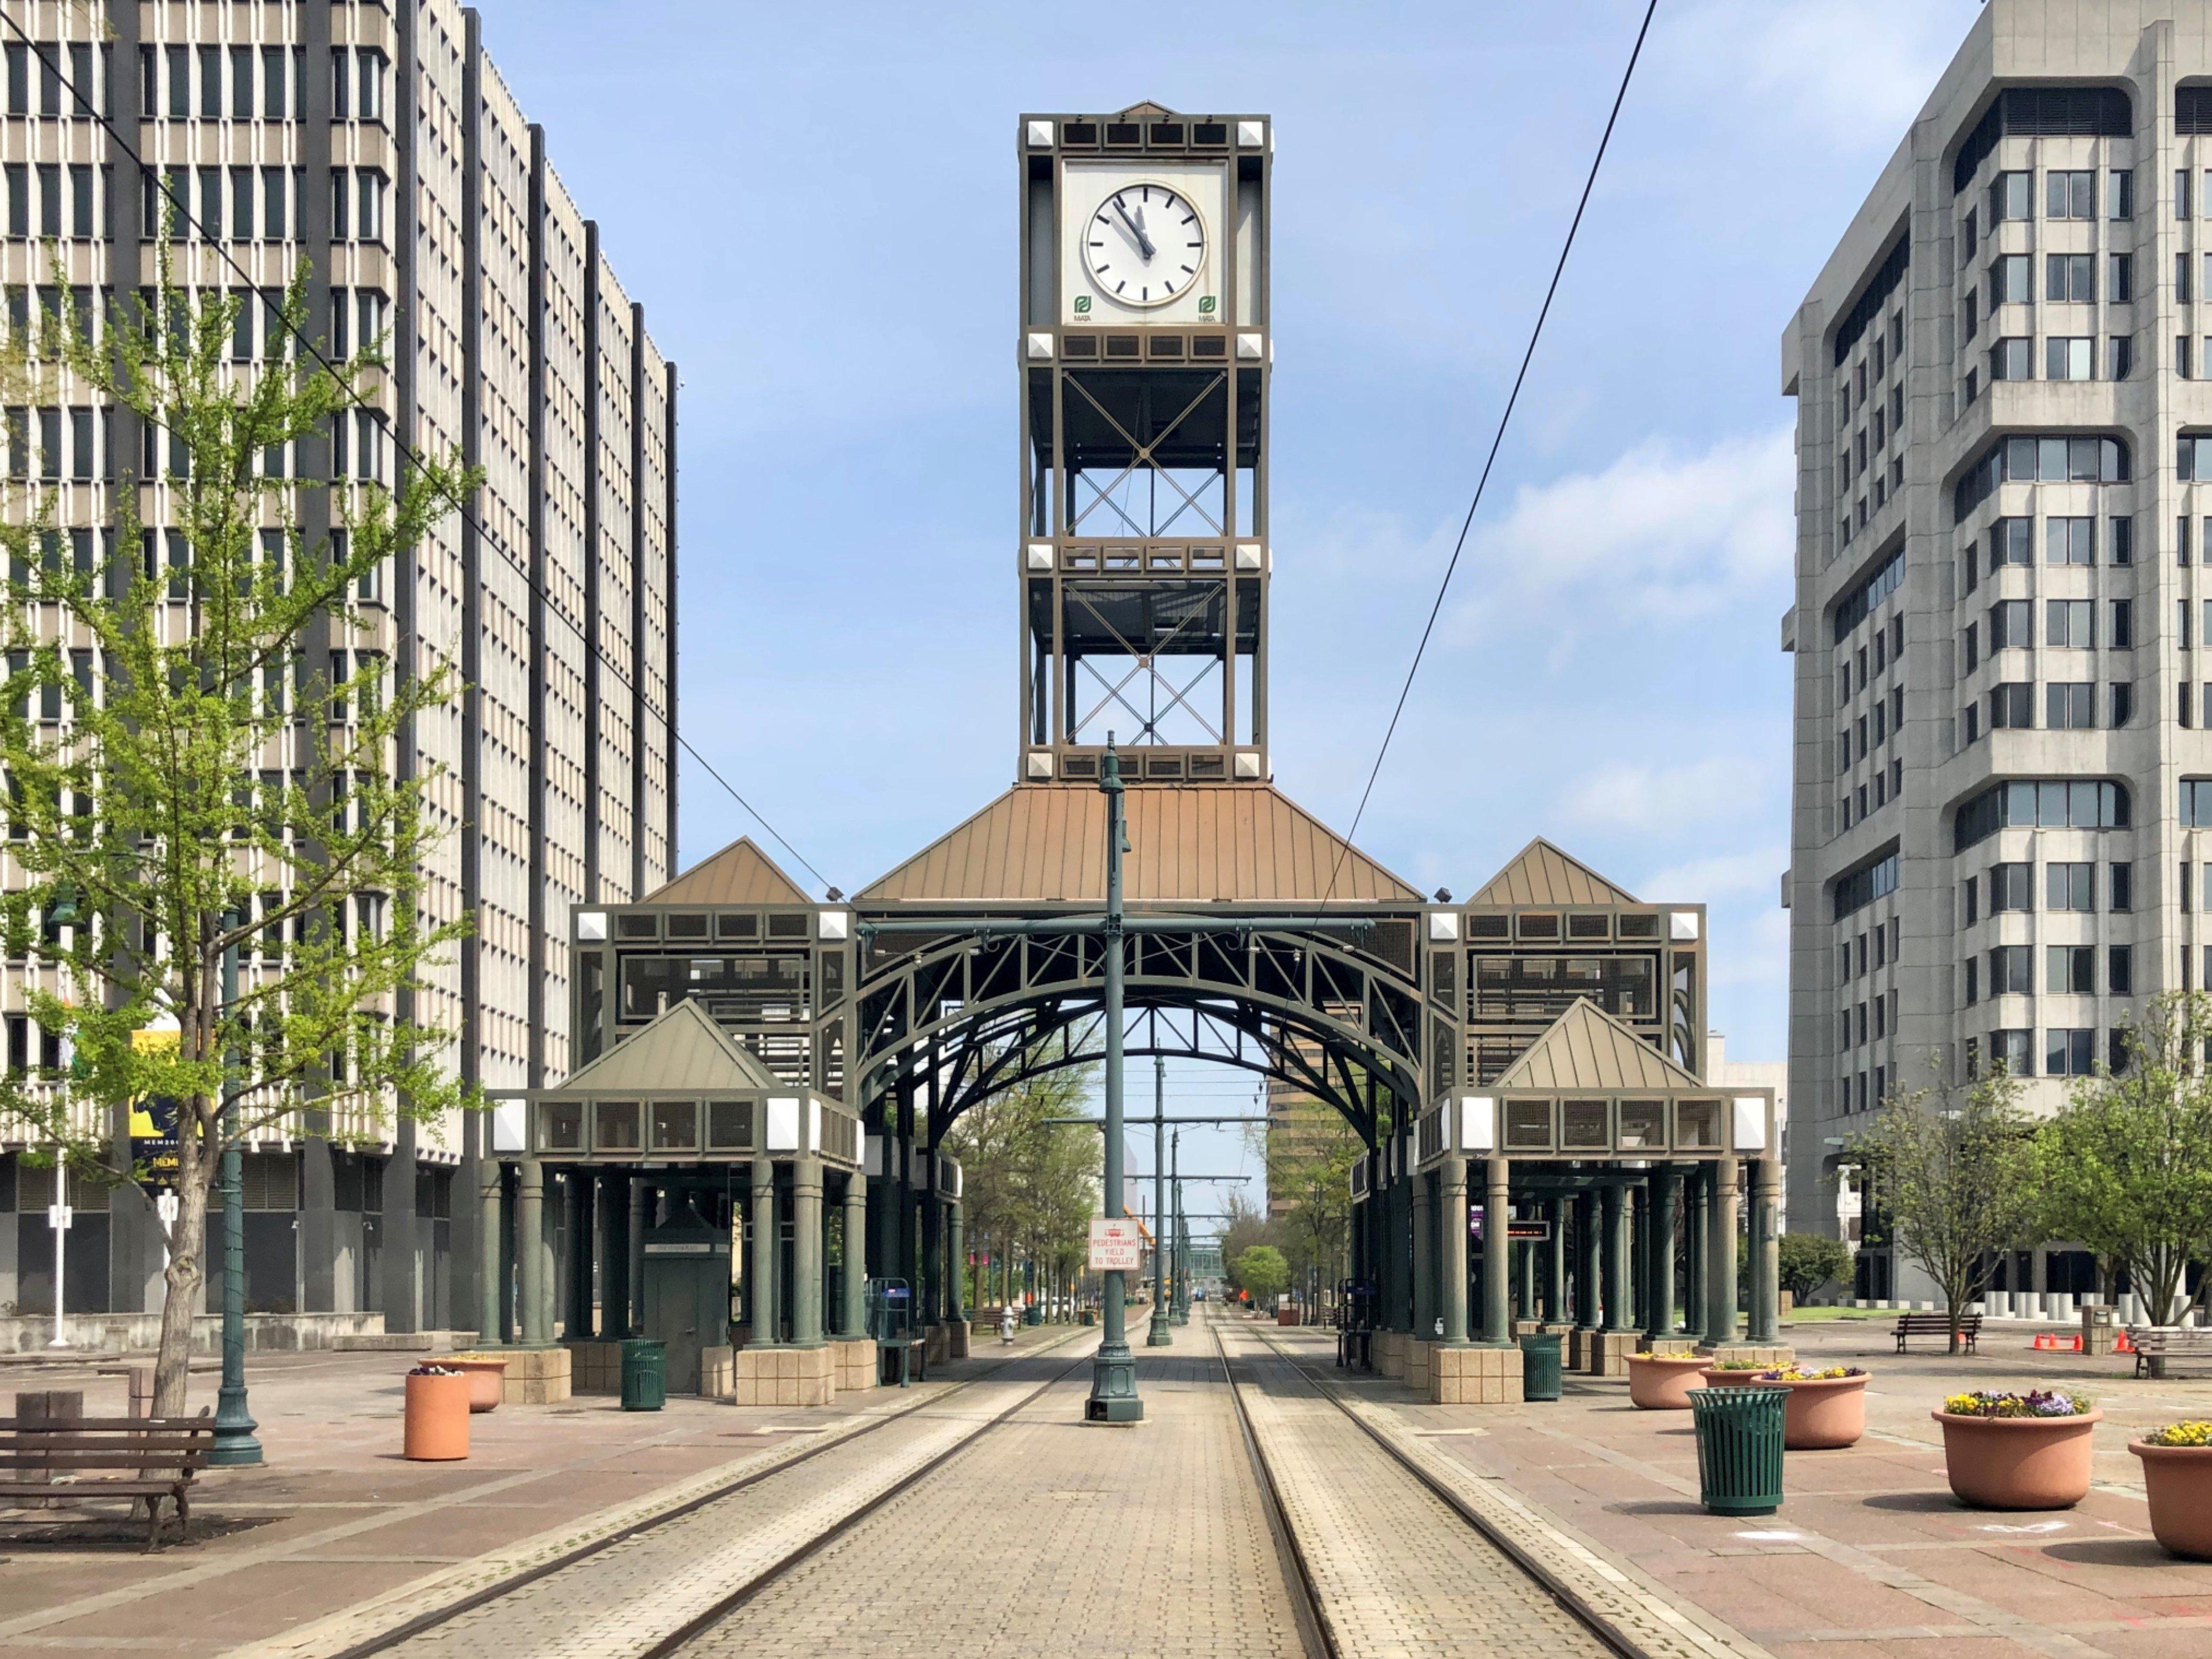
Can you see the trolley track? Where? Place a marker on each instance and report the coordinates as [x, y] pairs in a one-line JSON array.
[[1329, 1636], [432, 1622]]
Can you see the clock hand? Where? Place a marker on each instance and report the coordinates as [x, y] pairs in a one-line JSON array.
[[1136, 229]]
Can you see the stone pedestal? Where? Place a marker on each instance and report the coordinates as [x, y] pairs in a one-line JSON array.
[[1528, 1328], [855, 1363], [956, 1338], [1682, 1346], [1418, 1353], [1775, 1353], [594, 1367], [538, 1377], [784, 1376], [935, 1344], [1474, 1376], [1609, 1350], [718, 1372], [1390, 1354], [1576, 1351]]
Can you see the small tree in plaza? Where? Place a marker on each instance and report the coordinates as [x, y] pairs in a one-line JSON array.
[[1808, 1260], [208, 793], [1030, 1186], [1261, 1270], [2126, 1168], [1951, 1166]]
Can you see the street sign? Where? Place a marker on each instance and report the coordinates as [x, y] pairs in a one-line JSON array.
[[60, 1216], [1515, 1231], [1116, 1245]]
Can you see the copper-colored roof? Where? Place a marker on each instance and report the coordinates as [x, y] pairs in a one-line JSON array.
[[1586, 1048], [1233, 843], [1541, 874], [739, 874], [682, 1049]]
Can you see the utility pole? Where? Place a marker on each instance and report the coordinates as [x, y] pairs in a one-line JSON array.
[[1157, 1335], [1113, 1370], [234, 1441]]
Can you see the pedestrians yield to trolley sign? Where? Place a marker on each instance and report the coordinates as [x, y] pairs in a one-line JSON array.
[[1116, 1244]]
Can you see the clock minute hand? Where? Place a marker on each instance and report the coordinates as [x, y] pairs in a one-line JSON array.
[[1136, 229]]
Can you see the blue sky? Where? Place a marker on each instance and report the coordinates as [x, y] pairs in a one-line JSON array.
[[1606, 672]]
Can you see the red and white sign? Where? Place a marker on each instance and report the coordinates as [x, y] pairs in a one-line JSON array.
[[1116, 1244]]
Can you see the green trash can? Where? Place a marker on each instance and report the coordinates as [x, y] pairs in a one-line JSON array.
[[1033, 1315], [645, 1375], [1739, 1448], [1540, 1365]]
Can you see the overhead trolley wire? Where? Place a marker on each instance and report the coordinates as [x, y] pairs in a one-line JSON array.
[[52, 66], [1498, 438]]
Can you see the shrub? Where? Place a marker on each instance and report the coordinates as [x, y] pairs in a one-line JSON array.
[[1808, 1260]]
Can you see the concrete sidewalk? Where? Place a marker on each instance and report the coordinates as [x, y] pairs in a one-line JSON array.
[[1870, 1555], [336, 1516]]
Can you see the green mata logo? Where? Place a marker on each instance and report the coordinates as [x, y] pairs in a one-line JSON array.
[[1206, 305], [1083, 305]]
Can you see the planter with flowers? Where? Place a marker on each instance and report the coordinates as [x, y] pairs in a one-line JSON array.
[[2176, 1466], [1736, 1373], [1825, 1410], [2018, 1451], [1662, 1381], [436, 1418]]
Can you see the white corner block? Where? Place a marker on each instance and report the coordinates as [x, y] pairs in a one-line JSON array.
[[1251, 348], [814, 1126], [872, 1155], [1478, 1123], [1750, 1125], [590, 926], [1039, 347], [1040, 556], [1250, 556], [1251, 135], [1682, 926], [1444, 925], [834, 925], [510, 1126], [1040, 763], [783, 1123], [1248, 762], [1040, 135]]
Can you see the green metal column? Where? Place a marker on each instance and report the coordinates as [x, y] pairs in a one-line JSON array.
[[1452, 1232], [491, 1252], [536, 1313], [1497, 1227], [583, 1229], [956, 1267], [1157, 1335], [1720, 1266], [1613, 1259], [1587, 1255], [1113, 1397], [1696, 1250], [1425, 1261], [853, 1318], [806, 1252], [1659, 1296], [760, 1293], [1555, 1262], [1766, 1307]]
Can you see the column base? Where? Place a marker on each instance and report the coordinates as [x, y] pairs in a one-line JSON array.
[[957, 1333], [1417, 1354], [537, 1376], [1609, 1350], [1113, 1388], [1763, 1353], [1390, 1354], [1479, 1374], [1157, 1335], [785, 1375], [594, 1367]]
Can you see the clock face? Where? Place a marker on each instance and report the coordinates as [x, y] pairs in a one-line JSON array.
[[1145, 245]]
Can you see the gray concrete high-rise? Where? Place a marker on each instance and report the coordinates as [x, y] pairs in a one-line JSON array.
[[374, 140], [1999, 631]]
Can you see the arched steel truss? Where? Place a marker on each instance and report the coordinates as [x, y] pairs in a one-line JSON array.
[[978, 1014]]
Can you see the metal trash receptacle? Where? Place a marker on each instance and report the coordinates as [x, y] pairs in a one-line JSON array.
[[644, 1374], [1739, 1448], [1540, 1366]]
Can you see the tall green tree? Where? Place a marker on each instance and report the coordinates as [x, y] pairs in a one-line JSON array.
[[2126, 1168], [1951, 1168], [184, 780], [1262, 1270], [1030, 1186]]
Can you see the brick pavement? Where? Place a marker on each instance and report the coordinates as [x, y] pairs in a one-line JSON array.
[[1869, 1558], [1053, 1537], [336, 1525]]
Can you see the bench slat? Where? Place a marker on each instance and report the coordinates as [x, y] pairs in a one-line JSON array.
[[46, 1426], [92, 1489]]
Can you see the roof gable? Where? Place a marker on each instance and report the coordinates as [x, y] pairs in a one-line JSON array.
[[1586, 1048], [1220, 843], [739, 874], [682, 1049], [1539, 874]]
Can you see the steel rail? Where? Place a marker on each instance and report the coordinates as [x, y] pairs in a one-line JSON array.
[[1316, 1634], [384, 1641], [1570, 1601]]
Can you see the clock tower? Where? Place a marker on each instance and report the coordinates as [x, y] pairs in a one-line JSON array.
[[1144, 354]]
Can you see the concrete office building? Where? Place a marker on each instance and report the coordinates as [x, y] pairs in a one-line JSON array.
[[374, 140], [2004, 494]]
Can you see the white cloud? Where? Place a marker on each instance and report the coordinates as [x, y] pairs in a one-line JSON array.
[[1662, 799], [1657, 535], [1721, 876]]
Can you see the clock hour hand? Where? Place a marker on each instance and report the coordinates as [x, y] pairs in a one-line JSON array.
[[1136, 229]]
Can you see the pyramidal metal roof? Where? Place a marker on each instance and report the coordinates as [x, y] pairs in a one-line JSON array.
[[739, 874], [1227, 843], [682, 1049], [1539, 874], [1587, 1047]]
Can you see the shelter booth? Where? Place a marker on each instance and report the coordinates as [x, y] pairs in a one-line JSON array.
[[674, 1189]]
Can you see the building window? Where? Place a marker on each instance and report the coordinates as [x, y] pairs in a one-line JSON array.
[[2071, 970], [2012, 706], [1967, 239], [2070, 541], [2070, 278], [2068, 358], [2067, 887], [2119, 887], [2067, 624], [2069, 1054], [2119, 357], [2012, 541], [2045, 804], [1973, 980], [2069, 195], [2121, 634], [2025, 460], [2015, 1051], [2012, 280], [2012, 625], [2181, 278], [2010, 197], [2010, 971], [1969, 893], [2123, 704], [2121, 197], [2120, 278], [2070, 707], [2011, 887], [2120, 971], [2122, 533]]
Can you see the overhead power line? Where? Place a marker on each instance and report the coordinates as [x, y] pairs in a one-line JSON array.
[[52, 66]]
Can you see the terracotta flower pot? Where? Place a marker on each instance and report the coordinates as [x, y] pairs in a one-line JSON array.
[[1823, 1414], [1662, 1382], [437, 1419], [2018, 1462], [2178, 1479], [1717, 1378], [487, 1380]]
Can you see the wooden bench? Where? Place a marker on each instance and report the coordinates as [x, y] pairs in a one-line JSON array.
[[51, 1457], [1936, 1324], [2155, 1345]]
